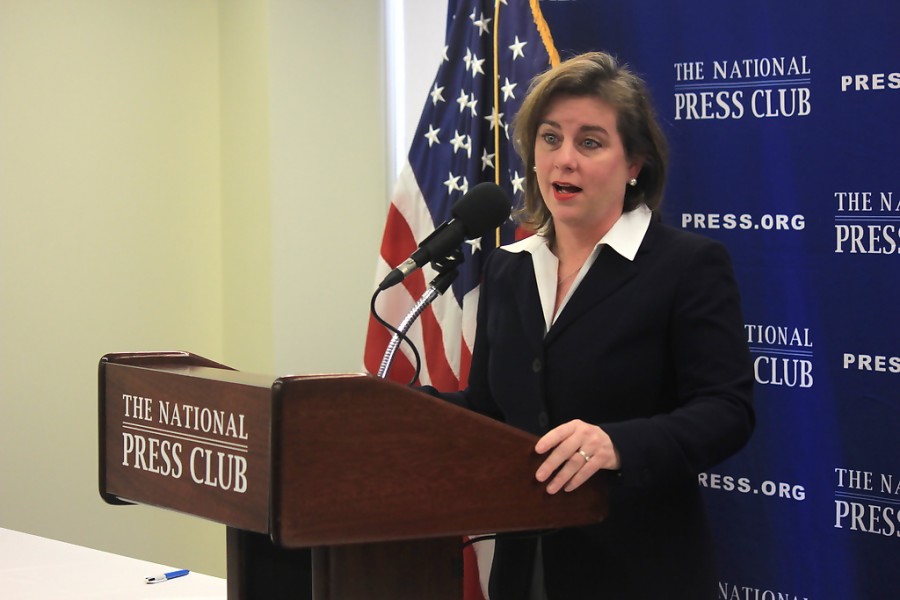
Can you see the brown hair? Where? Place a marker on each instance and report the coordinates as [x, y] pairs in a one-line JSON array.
[[596, 75]]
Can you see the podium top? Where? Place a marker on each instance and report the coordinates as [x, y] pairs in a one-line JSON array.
[[317, 460]]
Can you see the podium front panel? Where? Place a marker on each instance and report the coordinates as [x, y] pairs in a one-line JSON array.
[[362, 460], [188, 438]]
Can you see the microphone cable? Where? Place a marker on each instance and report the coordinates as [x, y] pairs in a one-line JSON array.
[[417, 363]]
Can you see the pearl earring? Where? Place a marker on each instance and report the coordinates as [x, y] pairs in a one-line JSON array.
[[534, 169], [632, 182]]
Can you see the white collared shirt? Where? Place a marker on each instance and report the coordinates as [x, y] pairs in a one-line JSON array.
[[624, 237]]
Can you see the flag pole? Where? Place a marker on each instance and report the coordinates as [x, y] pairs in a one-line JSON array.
[[496, 111]]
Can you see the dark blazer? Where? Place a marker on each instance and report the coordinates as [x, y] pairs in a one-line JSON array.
[[653, 351]]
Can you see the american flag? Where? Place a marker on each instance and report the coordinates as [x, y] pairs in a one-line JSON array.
[[463, 138]]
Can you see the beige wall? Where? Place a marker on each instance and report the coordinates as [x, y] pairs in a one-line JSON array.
[[174, 174], [328, 170]]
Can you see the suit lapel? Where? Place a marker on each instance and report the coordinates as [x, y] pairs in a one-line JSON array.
[[610, 272], [528, 301]]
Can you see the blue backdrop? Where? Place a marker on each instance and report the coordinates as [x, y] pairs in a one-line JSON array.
[[785, 137]]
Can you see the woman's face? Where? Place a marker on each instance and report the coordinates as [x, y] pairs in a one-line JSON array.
[[581, 165]]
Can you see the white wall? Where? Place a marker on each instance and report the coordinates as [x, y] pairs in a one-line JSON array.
[[415, 41]]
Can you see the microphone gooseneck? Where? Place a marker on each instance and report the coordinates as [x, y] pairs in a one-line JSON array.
[[484, 207]]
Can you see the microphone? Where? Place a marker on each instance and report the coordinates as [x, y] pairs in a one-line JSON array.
[[484, 207]]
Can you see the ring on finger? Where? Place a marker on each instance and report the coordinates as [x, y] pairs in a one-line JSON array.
[[584, 455]]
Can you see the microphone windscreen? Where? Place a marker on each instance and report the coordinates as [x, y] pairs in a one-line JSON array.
[[483, 208]]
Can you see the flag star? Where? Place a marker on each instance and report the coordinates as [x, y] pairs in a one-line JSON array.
[[505, 127], [475, 245], [507, 89], [464, 188], [517, 182], [444, 57], [468, 147], [468, 59], [458, 141], [482, 24], [473, 101], [517, 48], [432, 135], [463, 100], [476, 65], [451, 183], [437, 95], [472, 16], [487, 160], [494, 117]]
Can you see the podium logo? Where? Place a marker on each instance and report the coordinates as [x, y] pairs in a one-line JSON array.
[[169, 439], [768, 87], [784, 355]]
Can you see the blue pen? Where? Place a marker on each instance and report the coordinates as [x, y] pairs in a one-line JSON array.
[[167, 576]]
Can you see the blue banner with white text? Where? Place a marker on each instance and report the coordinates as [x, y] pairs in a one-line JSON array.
[[784, 125]]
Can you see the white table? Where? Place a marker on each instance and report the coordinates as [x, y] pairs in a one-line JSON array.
[[36, 568]]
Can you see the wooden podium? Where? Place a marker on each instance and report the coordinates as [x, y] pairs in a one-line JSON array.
[[380, 481]]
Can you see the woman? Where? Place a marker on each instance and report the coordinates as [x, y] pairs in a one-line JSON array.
[[615, 338]]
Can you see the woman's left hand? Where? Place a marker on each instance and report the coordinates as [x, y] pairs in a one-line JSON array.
[[579, 450]]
